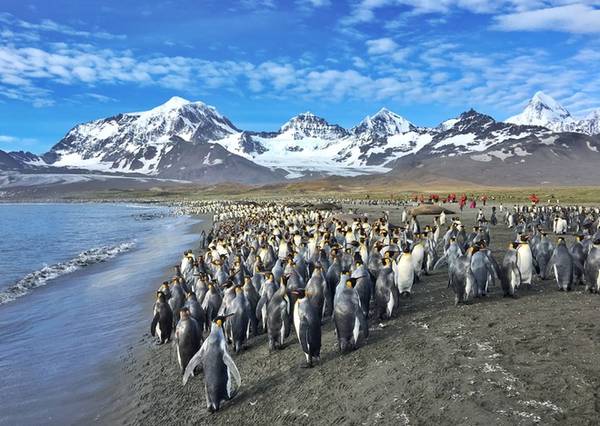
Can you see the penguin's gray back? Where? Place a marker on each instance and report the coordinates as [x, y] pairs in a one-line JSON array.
[[188, 340], [562, 267]]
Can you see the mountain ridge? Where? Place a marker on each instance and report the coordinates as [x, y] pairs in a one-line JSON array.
[[194, 141]]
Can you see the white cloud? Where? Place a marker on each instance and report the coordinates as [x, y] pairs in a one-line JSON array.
[[588, 55], [572, 18], [313, 4], [431, 70], [48, 25], [381, 46]]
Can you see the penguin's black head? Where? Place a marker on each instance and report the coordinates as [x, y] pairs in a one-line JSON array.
[[406, 249], [221, 319], [184, 313], [596, 241], [515, 244], [350, 282], [160, 296], [191, 295]]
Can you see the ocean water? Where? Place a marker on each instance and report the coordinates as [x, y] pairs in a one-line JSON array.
[[73, 295]]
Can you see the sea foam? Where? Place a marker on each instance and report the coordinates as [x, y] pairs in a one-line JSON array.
[[50, 272]]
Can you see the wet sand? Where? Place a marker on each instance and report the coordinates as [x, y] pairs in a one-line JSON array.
[[533, 360]]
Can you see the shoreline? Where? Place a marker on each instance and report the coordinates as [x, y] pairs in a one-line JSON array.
[[126, 401], [112, 317]]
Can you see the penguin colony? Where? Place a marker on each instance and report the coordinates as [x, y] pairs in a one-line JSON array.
[[268, 268]]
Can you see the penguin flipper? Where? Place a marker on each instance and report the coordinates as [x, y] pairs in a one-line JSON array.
[[536, 265], [441, 262], [549, 267], [154, 323], [303, 335], [194, 362], [234, 379], [259, 306]]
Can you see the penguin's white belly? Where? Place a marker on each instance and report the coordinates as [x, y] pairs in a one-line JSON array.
[[417, 257], [468, 286], [356, 330], [297, 323], [390, 304], [264, 315], [405, 275], [514, 280], [525, 263]]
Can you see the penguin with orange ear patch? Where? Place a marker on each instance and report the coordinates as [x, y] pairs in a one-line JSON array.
[[222, 379], [348, 317], [307, 323], [162, 322]]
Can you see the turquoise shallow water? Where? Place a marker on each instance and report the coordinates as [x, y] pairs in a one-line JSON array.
[[73, 294]]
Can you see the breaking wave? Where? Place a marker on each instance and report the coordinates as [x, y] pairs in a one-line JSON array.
[[50, 272]]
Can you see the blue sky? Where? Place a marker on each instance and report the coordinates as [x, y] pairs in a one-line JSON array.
[[260, 62]]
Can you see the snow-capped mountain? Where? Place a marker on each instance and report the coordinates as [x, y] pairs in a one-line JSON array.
[[308, 125], [543, 110], [478, 149], [384, 123], [309, 145], [590, 125], [135, 142], [193, 141]]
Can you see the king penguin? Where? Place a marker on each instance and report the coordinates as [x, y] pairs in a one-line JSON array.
[[162, 323], [188, 338], [222, 379], [307, 323], [348, 317]]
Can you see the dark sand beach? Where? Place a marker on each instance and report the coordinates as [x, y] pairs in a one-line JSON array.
[[533, 360]]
